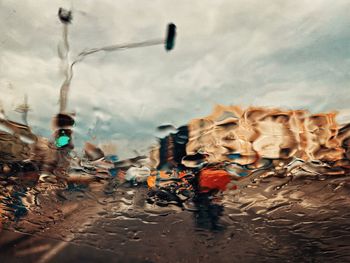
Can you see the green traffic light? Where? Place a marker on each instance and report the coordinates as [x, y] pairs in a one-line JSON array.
[[62, 141]]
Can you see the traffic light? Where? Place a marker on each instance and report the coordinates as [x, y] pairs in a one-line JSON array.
[[63, 120], [62, 125], [170, 38], [65, 16], [63, 138]]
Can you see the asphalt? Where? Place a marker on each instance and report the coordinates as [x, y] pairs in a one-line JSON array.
[[297, 223]]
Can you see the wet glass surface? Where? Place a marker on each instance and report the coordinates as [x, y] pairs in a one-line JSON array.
[[270, 217], [109, 156]]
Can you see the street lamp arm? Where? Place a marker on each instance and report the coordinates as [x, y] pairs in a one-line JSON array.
[[121, 47], [69, 74]]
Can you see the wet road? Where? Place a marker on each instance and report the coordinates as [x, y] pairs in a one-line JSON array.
[[272, 220]]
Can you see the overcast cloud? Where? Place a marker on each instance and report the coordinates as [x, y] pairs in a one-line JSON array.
[[290, 54]]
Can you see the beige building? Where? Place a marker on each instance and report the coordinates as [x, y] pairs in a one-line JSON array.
[[256, 132]]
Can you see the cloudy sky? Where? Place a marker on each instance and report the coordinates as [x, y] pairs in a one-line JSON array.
[[289, 54]]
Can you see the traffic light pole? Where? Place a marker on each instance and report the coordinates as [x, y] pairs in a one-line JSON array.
[[168, 42], [63, 133]]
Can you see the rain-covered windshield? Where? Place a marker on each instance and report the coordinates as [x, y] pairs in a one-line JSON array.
[[163, 131]]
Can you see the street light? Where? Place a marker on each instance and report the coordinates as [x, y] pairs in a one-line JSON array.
[[63, 137], [170, 38], [169, 43], [65, 16]]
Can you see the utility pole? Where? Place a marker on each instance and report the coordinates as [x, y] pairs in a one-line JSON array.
[[63, 122]]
